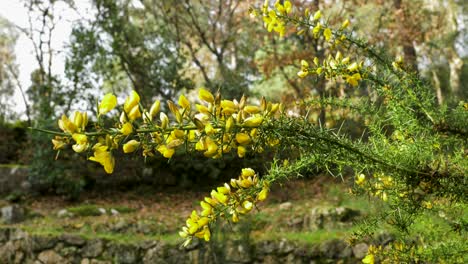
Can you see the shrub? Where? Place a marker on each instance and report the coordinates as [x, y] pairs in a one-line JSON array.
[[412, 156]]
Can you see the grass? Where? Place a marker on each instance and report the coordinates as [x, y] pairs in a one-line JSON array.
[[93, 210], [269, 223], [307, 238], [12, 166], [85, 210]]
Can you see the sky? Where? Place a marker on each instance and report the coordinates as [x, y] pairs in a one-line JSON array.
[[16, 13]]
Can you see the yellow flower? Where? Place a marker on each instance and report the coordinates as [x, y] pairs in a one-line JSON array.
[[345, 24], [131, 101], [154, 110], [123, 118], [81, 142], [207, 208], [345, 60], [353, 79], [126, 129], [131, 146], [229, 124], [222, 198], [177, 133], [262, 195], [103, 157], [316, 30], [134, 113], [317, 15], [253, 121], [202, 109], [360, 179], [353, 67], [247, 172], [283, 8], [80, 120], [164, 120], [235, 217], [272, 22], [327, 34], [206, 233], [107, 104], [66, 125], [228, 104], [184, 233], [209, 130], [304, 69], [200, 145], [302, 73], [184, 102], [246, 183], [206, 96], [248, 205], [369, 259], [165, 151], [58, 143], [224, 189], [212, 148], [242, 138], [241, 151]]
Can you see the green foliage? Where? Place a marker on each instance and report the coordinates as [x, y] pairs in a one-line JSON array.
[[410, 152], [120, 48]]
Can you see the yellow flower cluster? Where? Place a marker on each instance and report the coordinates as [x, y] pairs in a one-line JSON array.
[[214, 127], [371, 252], [333, 67], [229, 201], [75, 126], [276, 20], [378, 186], [273, 18]]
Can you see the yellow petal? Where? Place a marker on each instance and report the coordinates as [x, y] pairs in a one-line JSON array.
[[58, 144], [262, 195], [202, 109], [134, 113], [327, 34], [248, 205], [184, 102], [228, 104], [247, 172], [206, 96], [209, 130], [317, 15], [229, 124], [242, 138], [126, 129], [253, 121], [154, 110], [131, 101], [252, 109], [107, 104], [131, 146], [241, 151]]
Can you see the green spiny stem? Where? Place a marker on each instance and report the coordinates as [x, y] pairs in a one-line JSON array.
[[366, 47], [308, 132]]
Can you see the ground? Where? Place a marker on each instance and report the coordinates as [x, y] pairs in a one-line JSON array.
[[307, 211], [143, 213]]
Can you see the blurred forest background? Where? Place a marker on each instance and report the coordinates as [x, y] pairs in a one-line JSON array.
[[164, 48]]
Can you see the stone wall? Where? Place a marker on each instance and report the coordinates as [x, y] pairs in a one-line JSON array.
[[13, 179], [17, 246]]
